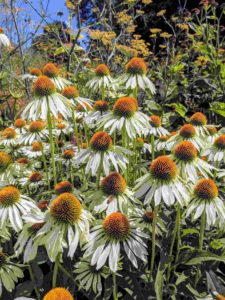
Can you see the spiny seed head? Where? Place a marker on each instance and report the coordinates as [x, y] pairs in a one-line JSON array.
[[9, 195], [113, 184], [51, 70], [33, 229], [198, 119], [136, 66], [8, 133], [68, 154], [116, 226], [23, 160], [220, 142], [1, 30], [101, 141], [84, 146], [61, 125], [58, 294], [163, 138], [5, 161], [63, 187], [212, 130], [37, 146], [43, 204], [125, 107], [84, 107], [37, 126], [20, 123], [139, 143], [187, 131], [163, 168], [35, 177], [155, 121], [43, 86], [148, 217], [70, 92], [2, 256], [185, 151], [102, 70], [66, 208], [101, 105], [35, 72], [206, 189]]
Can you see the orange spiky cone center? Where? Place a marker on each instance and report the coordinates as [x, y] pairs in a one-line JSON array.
[[20, 123], [220, 142], [9, 195], [58, 294], [187, 131], [35, 72], [51, 70], [37, 146], [9, 133], [198, 119], [155, 121], [116, 226], [68, 154], [70, 92], [43, 87], [23, 160], [101, 141], [63, 187], [163, 169], [5, 161], [35, 177], [185, 151], [148, 217], [136, 66], [37, 126], [114, 184], [206, 189], [102, 70], [101, 105], [125, 107]]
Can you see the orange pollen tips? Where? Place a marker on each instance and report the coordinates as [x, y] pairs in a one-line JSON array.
[[2, 256], [116, 226], [58, 294], [187, 131], [66, 208], [139, 143], [206, 189], [43, 86], [9, 133], [20, 123], [37, 126], [102, 70], [5, 161], [61, 125], [23, 160], [68, 154], [101, 105], [148, 216], [70, 92], [114, 184], [136, 66], [51, 70], [9, 195], [63, 187], [185, 151], [198, 119], [220, 142], [101, 141], [35, 72], [155, 121], [37, 146], [35, 177], [163, 168], [163, 138], [125, 107]]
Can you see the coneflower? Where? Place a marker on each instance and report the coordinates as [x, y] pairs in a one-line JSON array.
[[50, 70], [4, 40], [58, 293]]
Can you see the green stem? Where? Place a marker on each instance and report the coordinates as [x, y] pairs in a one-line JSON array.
[[34, 282], [99, 172], [67, 274], [51, 142], [75, 129], [178, 233], [153, 240], [55, 272], [153, 146], [114, 287], [103, 92], [45, 168], [202, 230]]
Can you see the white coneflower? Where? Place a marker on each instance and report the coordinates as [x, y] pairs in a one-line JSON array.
[[156, 127], [216, 152], [135, 76], [113, 195], [33, 180], [66, 225], [72, 93], [190, 166], [6, 168], [50, 70], [162, 183], [4, 40], [37, 131], [206, 200], [32, 75], [67, 158], [109, 238], [36, 150], [9, 137], [199, 121], [102, 154], [187, 133], [46, 98], [20, 126], [125, 118], [100, 108], [12, 206]]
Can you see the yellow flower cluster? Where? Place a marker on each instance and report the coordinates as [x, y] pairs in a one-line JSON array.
[[105, 37], [123, 17], [161, 13], [165, 35], [141, 46], [183, 26], [146, 1], [127, 50]]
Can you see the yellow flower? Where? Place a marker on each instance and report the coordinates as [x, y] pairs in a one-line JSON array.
[[201, 60], [155, 30], [183, 26], [161, 13], [165, 35], [146, 1]]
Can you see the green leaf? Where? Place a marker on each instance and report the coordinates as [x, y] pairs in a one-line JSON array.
[[179, 108], [218, 108], [59, 51], [154, 106], [203, 257], [189, 231], [177, 68], [159, 282]]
